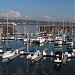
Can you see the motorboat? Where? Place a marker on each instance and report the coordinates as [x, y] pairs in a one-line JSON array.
[[50, 39], [9, 38], [58, 40], [39, 40], [69, 42], [33, 56], [8, 54], [68, 54], [58, 57], [1, 49], [57, 60], [25, 40]]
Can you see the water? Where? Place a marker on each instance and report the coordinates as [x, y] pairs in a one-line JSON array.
[[20, 28], [20, 66]]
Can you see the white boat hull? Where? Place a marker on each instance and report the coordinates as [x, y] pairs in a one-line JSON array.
[[69, 43], [57, 60], [58, 42], [8, 54]]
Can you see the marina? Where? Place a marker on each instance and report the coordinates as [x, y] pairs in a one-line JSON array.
[[58, 54], [37, 37]]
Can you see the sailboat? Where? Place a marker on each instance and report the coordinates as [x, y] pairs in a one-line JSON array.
[[8, 53], [69, 41], [38, 40], [1, 47], [64, 34], [35, 54], [58, 39]]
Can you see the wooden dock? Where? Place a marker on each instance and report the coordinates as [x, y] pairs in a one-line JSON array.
[[27, 53], [64, 60], [50, 54]]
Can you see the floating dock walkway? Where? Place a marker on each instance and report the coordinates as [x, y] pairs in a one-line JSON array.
[[64, 60], [43, 53]]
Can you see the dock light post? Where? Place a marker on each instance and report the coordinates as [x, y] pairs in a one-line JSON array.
[[27, 38]]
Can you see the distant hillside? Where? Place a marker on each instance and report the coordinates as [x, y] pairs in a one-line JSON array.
[[34, 22]]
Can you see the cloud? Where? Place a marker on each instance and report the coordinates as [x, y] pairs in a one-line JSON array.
[[47, 17], [27, 17], [14, 14], [11, 14]]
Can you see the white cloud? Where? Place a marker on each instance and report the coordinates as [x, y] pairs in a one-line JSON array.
[[47, 17], [14, 14], [11, 14], [27, 17]]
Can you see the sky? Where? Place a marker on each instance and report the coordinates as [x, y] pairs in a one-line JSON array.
[[57, 9]]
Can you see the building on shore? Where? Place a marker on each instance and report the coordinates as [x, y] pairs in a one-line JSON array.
[[47, 28]]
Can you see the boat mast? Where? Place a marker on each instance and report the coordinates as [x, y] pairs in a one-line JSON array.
[[63, 26], [27, 40], [27, 35], [72, 28], [37, 26], [13, 31], [24, 27], [7, 31], [53, 30]]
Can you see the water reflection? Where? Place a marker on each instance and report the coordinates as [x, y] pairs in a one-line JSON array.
[[57, 66], [58, 47], [12, 70], [1, 70], [35, 44]]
